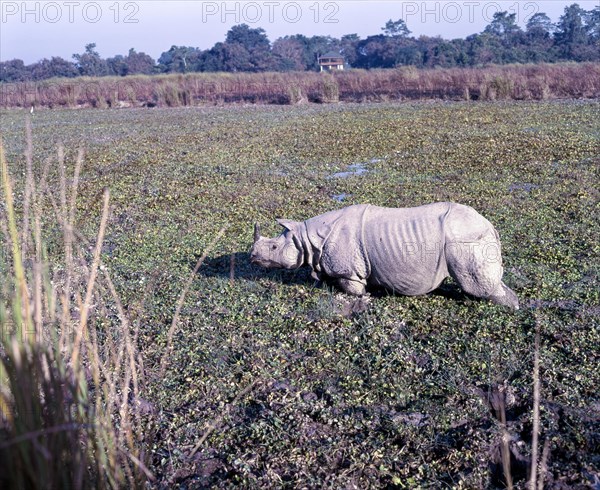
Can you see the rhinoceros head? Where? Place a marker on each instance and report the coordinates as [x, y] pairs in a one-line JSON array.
[[284, 251]]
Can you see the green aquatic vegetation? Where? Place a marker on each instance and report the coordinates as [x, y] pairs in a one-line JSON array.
[[392, 392]]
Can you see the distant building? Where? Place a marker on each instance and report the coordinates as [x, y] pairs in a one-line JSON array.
[[331, 61]]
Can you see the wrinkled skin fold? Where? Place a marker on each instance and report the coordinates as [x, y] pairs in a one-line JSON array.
[[408, 251]]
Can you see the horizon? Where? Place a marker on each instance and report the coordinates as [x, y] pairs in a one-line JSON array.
[[34, 30]]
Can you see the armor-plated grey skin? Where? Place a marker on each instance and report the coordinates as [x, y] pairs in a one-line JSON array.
[[409, 251]]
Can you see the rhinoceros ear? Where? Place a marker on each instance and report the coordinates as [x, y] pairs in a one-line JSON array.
[[288, 224]]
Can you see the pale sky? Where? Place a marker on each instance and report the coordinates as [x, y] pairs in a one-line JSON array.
[[33, 30]]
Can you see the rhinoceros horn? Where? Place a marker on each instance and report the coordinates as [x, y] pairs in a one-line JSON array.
[[256, 232]]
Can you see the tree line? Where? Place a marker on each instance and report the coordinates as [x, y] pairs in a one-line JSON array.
[[575, 37]]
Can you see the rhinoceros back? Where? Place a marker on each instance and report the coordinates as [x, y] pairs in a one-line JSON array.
[[405, 247]]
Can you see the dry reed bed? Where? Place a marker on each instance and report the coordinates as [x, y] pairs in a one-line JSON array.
[[518, 82], [70, 378]]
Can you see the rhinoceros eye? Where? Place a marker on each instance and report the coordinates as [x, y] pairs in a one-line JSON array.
[[274, 247]]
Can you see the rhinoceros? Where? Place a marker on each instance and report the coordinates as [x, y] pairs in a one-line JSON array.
[[409, 251]]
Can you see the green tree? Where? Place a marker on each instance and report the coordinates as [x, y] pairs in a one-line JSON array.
[[307, 49], [132, 64], [248, 37], [231, 57], [503, 25], [540, 45], [292, 53], [348, 46], [505, 38], [484, 48], [179, 59], [571, 37], [54, 67], [234, 57], [539, 25], [396, 28], [13, 71], [139, 63], [592, 25], [439, 52], [117, 65], [244, 49], [388, 52], [90, 63]]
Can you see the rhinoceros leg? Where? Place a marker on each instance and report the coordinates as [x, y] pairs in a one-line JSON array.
[[473, 256], [349, 286], [505, 296]]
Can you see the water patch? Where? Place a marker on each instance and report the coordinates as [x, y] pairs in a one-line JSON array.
[[355, 169], [532, 129], [522, 186], [341, 197], [352, 170]]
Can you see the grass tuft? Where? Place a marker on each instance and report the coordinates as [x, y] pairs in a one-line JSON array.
[[67, 414]]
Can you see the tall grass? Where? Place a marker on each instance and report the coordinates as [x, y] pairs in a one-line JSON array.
[[537, 467], [69, 368], [518, 82]]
